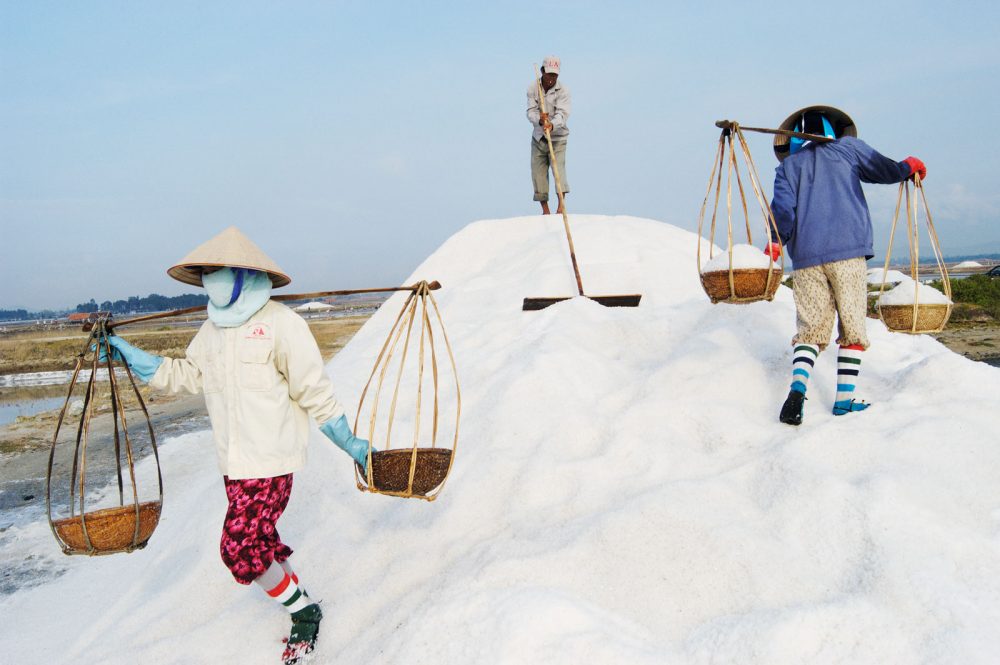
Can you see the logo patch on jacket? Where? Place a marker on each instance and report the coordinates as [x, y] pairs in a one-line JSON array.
[[259, 331]]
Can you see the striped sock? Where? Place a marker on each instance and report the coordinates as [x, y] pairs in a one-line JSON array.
[[803, 358], [848, 367], [279, 585], [286, 566]]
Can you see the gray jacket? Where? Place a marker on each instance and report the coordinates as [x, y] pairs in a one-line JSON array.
[[557, 105]]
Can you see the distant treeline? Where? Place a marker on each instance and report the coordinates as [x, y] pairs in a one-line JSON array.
[[25, 315], [154, 302]]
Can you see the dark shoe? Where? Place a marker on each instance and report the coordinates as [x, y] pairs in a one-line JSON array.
[[305, 630], [791, 410]]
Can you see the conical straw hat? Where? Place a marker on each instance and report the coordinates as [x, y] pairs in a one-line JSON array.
[[842, 126], [229, 248]]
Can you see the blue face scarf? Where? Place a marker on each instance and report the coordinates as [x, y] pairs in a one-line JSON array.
[[235, 294]]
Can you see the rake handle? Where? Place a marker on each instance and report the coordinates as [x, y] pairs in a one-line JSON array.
[[559, 193]]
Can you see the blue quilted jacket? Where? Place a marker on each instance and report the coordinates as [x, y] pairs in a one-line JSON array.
[[818, 204]]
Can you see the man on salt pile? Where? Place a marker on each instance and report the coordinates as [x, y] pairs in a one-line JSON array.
[[262, 374], [557, 109], [823, 221]]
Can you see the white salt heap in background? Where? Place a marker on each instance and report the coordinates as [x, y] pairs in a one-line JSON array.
[[891, 276]]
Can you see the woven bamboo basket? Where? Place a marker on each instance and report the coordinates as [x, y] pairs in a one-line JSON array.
[[917, 317], [749, 285], [399, 467], [737, 285], [391, 469], [926, 319], [109, 530], [88, 460]]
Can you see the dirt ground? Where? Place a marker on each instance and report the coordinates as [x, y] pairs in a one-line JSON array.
[[975, 340]]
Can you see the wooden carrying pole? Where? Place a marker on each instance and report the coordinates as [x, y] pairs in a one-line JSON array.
[[531, 304], [731, 124], [433, 286]]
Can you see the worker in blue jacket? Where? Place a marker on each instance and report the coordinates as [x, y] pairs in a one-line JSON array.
[[824, 223]]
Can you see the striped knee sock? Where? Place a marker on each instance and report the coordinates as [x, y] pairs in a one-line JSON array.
[[848, 367], [803, 359], [286, 566], [279, 585]]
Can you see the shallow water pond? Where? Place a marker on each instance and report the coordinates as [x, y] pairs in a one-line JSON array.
[[25, 401]]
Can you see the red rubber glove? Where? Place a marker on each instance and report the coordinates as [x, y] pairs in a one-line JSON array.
[[773, 250], [916, 166]]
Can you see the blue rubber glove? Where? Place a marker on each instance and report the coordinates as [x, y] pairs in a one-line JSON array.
[[142, 364], [340, 433]]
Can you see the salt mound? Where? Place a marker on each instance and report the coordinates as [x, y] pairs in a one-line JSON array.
[[622, 493], [967, 264], [891, 276], [744, 256], [904, 295]]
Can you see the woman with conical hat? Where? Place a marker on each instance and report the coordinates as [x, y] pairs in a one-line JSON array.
[[262, 375], [823, 221]]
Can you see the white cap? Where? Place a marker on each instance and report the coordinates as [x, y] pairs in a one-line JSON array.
[[550, 64]]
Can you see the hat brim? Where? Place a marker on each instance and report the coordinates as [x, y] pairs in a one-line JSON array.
[[190, 273], [842, 126]]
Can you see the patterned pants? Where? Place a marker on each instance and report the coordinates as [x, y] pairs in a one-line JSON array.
[[250, 541], [820, 292]]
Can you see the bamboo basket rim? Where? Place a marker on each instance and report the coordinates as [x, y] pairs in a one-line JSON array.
[[148, 513], [421, 453], [772, 278]]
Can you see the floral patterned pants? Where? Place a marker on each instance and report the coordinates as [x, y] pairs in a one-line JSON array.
[[250, 541], [838, 288]]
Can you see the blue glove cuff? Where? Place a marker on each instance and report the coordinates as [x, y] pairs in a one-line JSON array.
[[340, 433], [142, 364]]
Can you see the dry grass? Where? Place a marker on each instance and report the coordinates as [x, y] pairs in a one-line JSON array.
[[51, 350]]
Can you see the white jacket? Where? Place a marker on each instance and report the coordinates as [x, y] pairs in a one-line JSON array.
[[558, 105], [261, 381]]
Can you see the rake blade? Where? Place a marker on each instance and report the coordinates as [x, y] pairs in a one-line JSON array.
[[534, 304], [631, 300]]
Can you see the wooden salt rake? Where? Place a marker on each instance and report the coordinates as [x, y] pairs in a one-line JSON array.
[[738, 285], [412, 472], [534, 304], [128, 526], [919, 317]]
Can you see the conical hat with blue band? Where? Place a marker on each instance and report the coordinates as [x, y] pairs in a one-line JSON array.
[[842, 126], [229, 248]]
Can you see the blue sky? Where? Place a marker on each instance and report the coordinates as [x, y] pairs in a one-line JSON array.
[[350, 139]]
